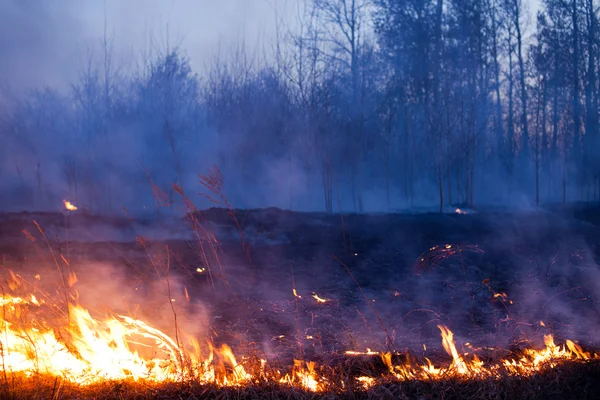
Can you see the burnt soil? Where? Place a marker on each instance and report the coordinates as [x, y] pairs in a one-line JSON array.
[[499, 281]]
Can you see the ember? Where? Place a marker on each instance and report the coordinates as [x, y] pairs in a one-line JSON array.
[[69, 206], [437, 254], [319, 299]]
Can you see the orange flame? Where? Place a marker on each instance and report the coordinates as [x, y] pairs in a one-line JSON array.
[[319, 299], [87, 350], [69, 206]]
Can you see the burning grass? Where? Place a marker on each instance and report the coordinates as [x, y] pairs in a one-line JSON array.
[[567, 381], [119, 356], [54, 346]]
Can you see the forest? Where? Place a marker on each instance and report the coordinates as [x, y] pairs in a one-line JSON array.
[[360, 106]]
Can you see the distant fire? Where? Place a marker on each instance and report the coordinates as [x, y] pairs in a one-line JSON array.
[[69, 206], [459, 211]]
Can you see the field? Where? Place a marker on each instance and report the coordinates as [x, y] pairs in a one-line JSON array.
[[306, 286]]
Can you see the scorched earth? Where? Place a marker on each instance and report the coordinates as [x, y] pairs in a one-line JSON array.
[[270, 301]]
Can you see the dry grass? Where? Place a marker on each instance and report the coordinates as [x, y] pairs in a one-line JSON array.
[[567, 381], [575, 380]]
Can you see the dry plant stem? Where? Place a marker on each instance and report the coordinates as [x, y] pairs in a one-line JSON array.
[[60, 272], [197, 226], [213, 182], [422, 310], [168, 283], [56, 388], [162, 200], [67, 234], [300, 349], [550, 264], [558, 294], [364, 320], [164, 282], [5, 338], [342, 222], [41, 293], [467, 286], [509, 316], [192, 212], [203, 254], [368, 302]]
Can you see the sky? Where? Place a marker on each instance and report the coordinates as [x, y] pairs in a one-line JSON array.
[[45, 42]]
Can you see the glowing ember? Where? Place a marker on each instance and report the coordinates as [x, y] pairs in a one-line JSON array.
[[69, 206], [437, 254], [362, 353], [319, 299], [503, 297], [366, 382]]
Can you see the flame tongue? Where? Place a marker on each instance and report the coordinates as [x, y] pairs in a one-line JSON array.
[[118, 347], [448, 342], [69, 206], [89, 351], [107, 349]]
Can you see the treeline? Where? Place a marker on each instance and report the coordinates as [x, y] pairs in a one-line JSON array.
[[362, 105]]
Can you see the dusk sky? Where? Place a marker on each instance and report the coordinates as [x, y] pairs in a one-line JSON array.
[[46, 42]]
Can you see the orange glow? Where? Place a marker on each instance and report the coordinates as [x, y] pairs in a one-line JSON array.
[[319, 299], [84, 350], [69, 206]]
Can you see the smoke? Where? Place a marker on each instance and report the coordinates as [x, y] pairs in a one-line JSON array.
[[160, 301], [103, 144], [42, 42]]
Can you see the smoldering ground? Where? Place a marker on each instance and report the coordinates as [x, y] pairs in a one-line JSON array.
[[385, 281]]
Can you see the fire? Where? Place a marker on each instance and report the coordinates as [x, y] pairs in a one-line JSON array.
[[531, 362], [319, 299], [306, 377], [366, 381], [459, 211], [69, 206], [362, 353], [88, 350], [438, 253], [503, 297], [37, 338]]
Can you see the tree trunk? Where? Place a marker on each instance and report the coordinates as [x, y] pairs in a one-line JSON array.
[[525, 132]]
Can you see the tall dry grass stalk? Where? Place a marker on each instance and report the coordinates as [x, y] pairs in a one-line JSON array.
[[212, 181]]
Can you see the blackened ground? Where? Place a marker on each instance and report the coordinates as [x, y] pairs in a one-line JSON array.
[[497, 280]]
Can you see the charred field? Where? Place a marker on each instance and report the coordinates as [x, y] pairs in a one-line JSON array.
[[350, 306]]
